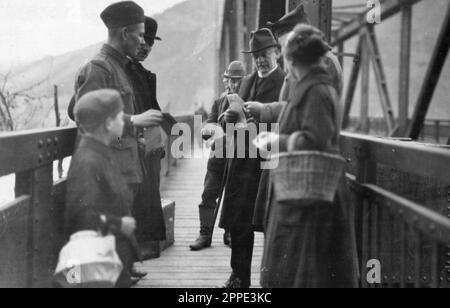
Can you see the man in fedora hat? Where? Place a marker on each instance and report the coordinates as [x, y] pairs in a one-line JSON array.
[[125, 23], [264, 85], [216, 166], [147, 208]]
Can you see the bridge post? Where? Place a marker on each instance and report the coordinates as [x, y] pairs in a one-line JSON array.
[[405, 63], [367, 241]]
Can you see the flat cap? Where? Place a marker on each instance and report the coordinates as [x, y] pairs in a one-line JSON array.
[[122, 14], [93, 108]]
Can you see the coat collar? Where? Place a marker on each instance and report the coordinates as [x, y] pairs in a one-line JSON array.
[[94, 145], [269, 83], [298, 89], [115, 54]]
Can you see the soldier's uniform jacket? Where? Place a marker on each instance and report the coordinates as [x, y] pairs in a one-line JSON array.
[[240, 194], [108, 71]]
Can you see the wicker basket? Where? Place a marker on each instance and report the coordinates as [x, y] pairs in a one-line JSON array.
[[307, 175]]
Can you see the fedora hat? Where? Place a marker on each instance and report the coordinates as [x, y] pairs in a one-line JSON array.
[[288, 22], [260, 40], [151, 28], [235, 70]]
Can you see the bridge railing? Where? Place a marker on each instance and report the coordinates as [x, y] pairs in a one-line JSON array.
[[401, 196], [31, 226]]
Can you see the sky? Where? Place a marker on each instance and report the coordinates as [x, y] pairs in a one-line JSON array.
[[33, 29]]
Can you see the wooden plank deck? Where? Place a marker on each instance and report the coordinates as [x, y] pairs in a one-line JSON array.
[[178, 267]]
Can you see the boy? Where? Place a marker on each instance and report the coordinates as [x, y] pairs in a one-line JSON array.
[[97, 195]]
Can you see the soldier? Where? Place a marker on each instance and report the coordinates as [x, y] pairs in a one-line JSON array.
[[216, 166], [147, 208], [264, 86], [125, 23], [97, 194]]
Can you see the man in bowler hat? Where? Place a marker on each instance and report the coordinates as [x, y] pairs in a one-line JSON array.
[[216, 166], [126, 29], [264, 85], [147, 208]]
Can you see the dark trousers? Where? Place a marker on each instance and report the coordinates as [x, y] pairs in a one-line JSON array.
[[147, 208], [242, 241], [211, 192]]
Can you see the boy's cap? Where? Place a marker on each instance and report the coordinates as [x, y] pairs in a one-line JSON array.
[[93, 108]]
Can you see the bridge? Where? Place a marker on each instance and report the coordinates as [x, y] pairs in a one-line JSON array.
[[399, 181]]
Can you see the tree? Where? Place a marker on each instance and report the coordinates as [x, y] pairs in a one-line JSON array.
[[9, 100]]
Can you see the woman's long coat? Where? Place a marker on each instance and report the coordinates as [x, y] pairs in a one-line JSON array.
[[310, 244]]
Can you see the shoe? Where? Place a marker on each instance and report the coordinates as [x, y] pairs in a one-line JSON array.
[[134, 281], [227, 239], [235, 282], [134, 273], [202, 242]]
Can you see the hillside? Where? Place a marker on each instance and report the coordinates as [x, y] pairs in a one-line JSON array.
[[183, 61]]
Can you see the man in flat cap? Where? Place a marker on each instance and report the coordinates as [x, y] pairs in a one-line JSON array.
[[264, 86], [216, 166], [125, 23], [147, 208], [97, 195]]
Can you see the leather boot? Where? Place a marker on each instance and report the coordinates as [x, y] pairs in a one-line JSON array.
[[204, 241]]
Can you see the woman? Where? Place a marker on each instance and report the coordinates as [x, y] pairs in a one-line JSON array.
[[309, 243]]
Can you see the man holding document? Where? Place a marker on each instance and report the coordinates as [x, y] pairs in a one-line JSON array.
[[264, 85]]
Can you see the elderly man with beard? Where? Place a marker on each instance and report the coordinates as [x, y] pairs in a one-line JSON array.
[[264, 85], [147, 208], [125, 23]]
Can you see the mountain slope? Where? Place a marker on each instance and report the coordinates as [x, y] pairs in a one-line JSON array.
[[183, 61]]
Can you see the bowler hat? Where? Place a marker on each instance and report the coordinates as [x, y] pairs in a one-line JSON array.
[[235, 70], [261, 40], [151, 28], [288, 22], [122, 14]]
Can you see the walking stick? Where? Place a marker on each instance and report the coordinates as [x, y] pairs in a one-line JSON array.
[[223, 186]]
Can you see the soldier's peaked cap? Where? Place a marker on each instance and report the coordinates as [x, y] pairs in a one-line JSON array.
[[122, 14], [288, 22]]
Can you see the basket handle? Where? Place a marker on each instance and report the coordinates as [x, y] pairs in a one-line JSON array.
[[291, 142]]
